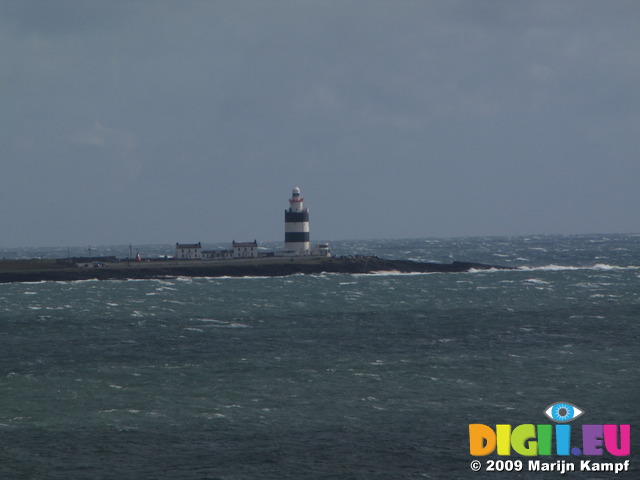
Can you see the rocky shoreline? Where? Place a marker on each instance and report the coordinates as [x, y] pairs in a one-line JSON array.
[[269, 267]]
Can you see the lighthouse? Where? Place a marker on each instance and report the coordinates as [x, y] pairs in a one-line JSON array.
[[296, 225]]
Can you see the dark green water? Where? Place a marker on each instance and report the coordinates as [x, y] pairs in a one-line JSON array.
[[318, 377]]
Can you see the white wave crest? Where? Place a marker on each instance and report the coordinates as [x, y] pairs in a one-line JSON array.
[[485, 270], [536, 281], [389, 273], [211, 322], [558, 268]]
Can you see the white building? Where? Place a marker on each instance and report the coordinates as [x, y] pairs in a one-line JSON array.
[[245, 250], [188, 251], [323, 250]]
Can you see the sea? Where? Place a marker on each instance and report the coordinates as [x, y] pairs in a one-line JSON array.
[[328, 376]]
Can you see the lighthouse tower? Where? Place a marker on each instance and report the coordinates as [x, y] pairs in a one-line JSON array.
[[296, 225]]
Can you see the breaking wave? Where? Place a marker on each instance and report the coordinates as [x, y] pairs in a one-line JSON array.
[[559, 268]]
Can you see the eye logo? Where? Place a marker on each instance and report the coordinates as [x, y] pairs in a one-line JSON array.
[[563, 412]]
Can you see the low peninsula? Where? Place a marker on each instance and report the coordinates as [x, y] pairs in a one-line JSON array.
[[61, 270]]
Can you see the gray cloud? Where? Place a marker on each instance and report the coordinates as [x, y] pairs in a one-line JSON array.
[[100, 136], [192, 120]]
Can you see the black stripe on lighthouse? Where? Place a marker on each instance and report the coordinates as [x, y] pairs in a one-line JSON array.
[[290, 237], [296, 217]]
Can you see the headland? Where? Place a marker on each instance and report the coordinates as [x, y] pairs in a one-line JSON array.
[[63, 270]]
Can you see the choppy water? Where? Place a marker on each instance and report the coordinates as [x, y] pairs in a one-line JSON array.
[[316, 377]]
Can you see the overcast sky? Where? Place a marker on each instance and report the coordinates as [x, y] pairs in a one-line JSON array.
[[165, 121]]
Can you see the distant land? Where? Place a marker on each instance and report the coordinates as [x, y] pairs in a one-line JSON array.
[[66, 270]]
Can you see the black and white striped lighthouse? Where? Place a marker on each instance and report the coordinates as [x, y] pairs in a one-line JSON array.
[[296, 225]]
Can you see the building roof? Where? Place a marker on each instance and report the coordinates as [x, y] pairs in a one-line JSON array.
[[189, 245], [245, 244]]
